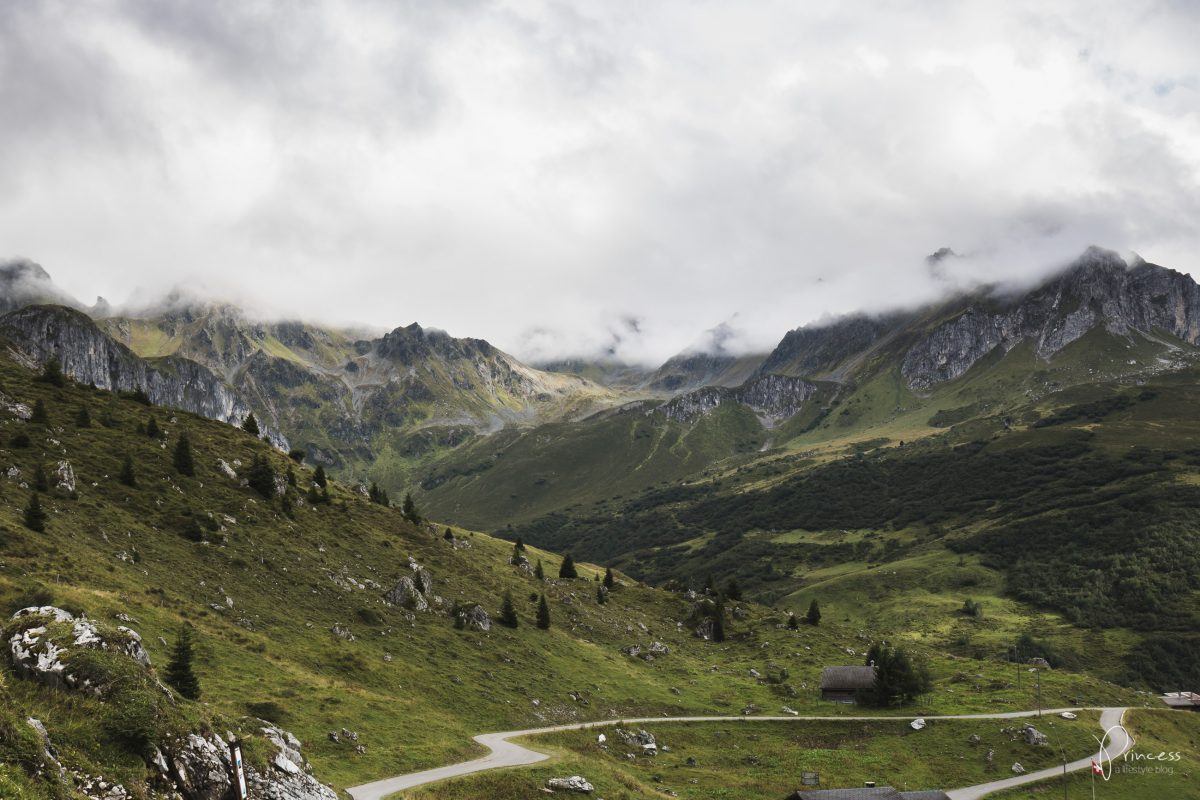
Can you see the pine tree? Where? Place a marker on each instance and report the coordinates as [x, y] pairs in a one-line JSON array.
[[567, 568], [543, 614], [179, 669], [718, 632], [319, 477], [84, 418], [792, 623], [732, 590], [35, 516], [52, 373], [813, 617], [297, 455], [508, 612], [609, 581], [39, 413], [539, 572], [710, 585], [260, 477], [184, 463], [250, 424], [192, 530], [409, 509], [291, 476], [152, 429], [601, 595], [41, 483], [285, 505], [127, 476], [448, 535]]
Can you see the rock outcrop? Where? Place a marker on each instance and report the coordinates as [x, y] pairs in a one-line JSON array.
[[776, 397], [1099, 291], [40, 646]]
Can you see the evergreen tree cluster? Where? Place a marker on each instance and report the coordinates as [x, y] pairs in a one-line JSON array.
[[378, 496], [898, 678]]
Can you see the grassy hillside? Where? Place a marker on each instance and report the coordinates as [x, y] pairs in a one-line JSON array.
[[266, 588]]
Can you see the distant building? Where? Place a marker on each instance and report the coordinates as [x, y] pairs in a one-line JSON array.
[[842, 684], [867, 793], [1183, 701]]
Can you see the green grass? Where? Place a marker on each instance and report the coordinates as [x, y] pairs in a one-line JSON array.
[[749, 760], [1132, 778]]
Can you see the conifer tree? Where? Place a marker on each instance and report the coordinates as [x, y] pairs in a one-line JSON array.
[[52, 373], [127, 475], [792, 623], [84, 418], [35, 516], [409, 509], [291, 476], [260, 477], [813, 617], [710, 585], [543, 614], [567, 568], [601, 595], [39, 413], [539, 572], [180, 674], [508, 612], [319, 476], [609, 581], [732, 590], [184, 463], [250, 424], [285, 504], [152, 429], [41, 483]]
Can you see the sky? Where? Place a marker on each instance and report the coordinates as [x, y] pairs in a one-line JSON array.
[[565, 179]]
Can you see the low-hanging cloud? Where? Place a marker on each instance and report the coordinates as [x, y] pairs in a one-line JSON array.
[[536, 173]]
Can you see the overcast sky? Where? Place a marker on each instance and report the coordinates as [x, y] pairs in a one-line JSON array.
[[552, 175]]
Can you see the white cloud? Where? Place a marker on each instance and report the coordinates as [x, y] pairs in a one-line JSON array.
[[535, 173]]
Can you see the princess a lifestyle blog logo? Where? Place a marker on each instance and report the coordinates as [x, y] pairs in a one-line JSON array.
[[1131, 761]]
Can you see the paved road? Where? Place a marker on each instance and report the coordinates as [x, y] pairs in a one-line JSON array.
[[507, 754]]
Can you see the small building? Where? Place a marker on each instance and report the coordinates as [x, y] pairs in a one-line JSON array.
[[842, 684], [1182, 701], [866, 793]]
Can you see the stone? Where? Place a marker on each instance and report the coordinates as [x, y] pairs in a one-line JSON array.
[[572, 784], [633, 650], [224, 467], [658, 649], [917, 724], [66, 477], [475, 617], [704, 630], [342, 632], [1033, 736], [1018, 769], [406, 594]]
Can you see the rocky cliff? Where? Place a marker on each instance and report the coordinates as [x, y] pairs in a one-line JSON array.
[[90, 356], [1098, 291], [774, 397]]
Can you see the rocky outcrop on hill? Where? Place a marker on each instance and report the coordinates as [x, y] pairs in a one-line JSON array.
[[1099, 291], [90, 356], [42, 642], [820, 348], [773, 396]]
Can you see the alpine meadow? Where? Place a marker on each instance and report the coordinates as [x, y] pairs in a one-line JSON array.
[[835, 435]]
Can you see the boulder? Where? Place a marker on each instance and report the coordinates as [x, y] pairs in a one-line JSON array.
[[406, 595], [658, 649], [475, 617], [1018, 769], [1033, 736], [66, 477], [572, 784]]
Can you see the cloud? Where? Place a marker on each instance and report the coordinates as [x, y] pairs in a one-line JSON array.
[[536, 172]]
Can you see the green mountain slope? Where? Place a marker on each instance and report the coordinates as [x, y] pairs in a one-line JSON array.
[[291, 624]]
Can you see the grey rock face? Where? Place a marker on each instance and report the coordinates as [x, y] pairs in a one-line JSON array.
[[89, 355], [406, 595], [199, 768], [1099, 290], [775, 396]]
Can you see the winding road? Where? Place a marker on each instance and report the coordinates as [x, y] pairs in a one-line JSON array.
[[505, 753]]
